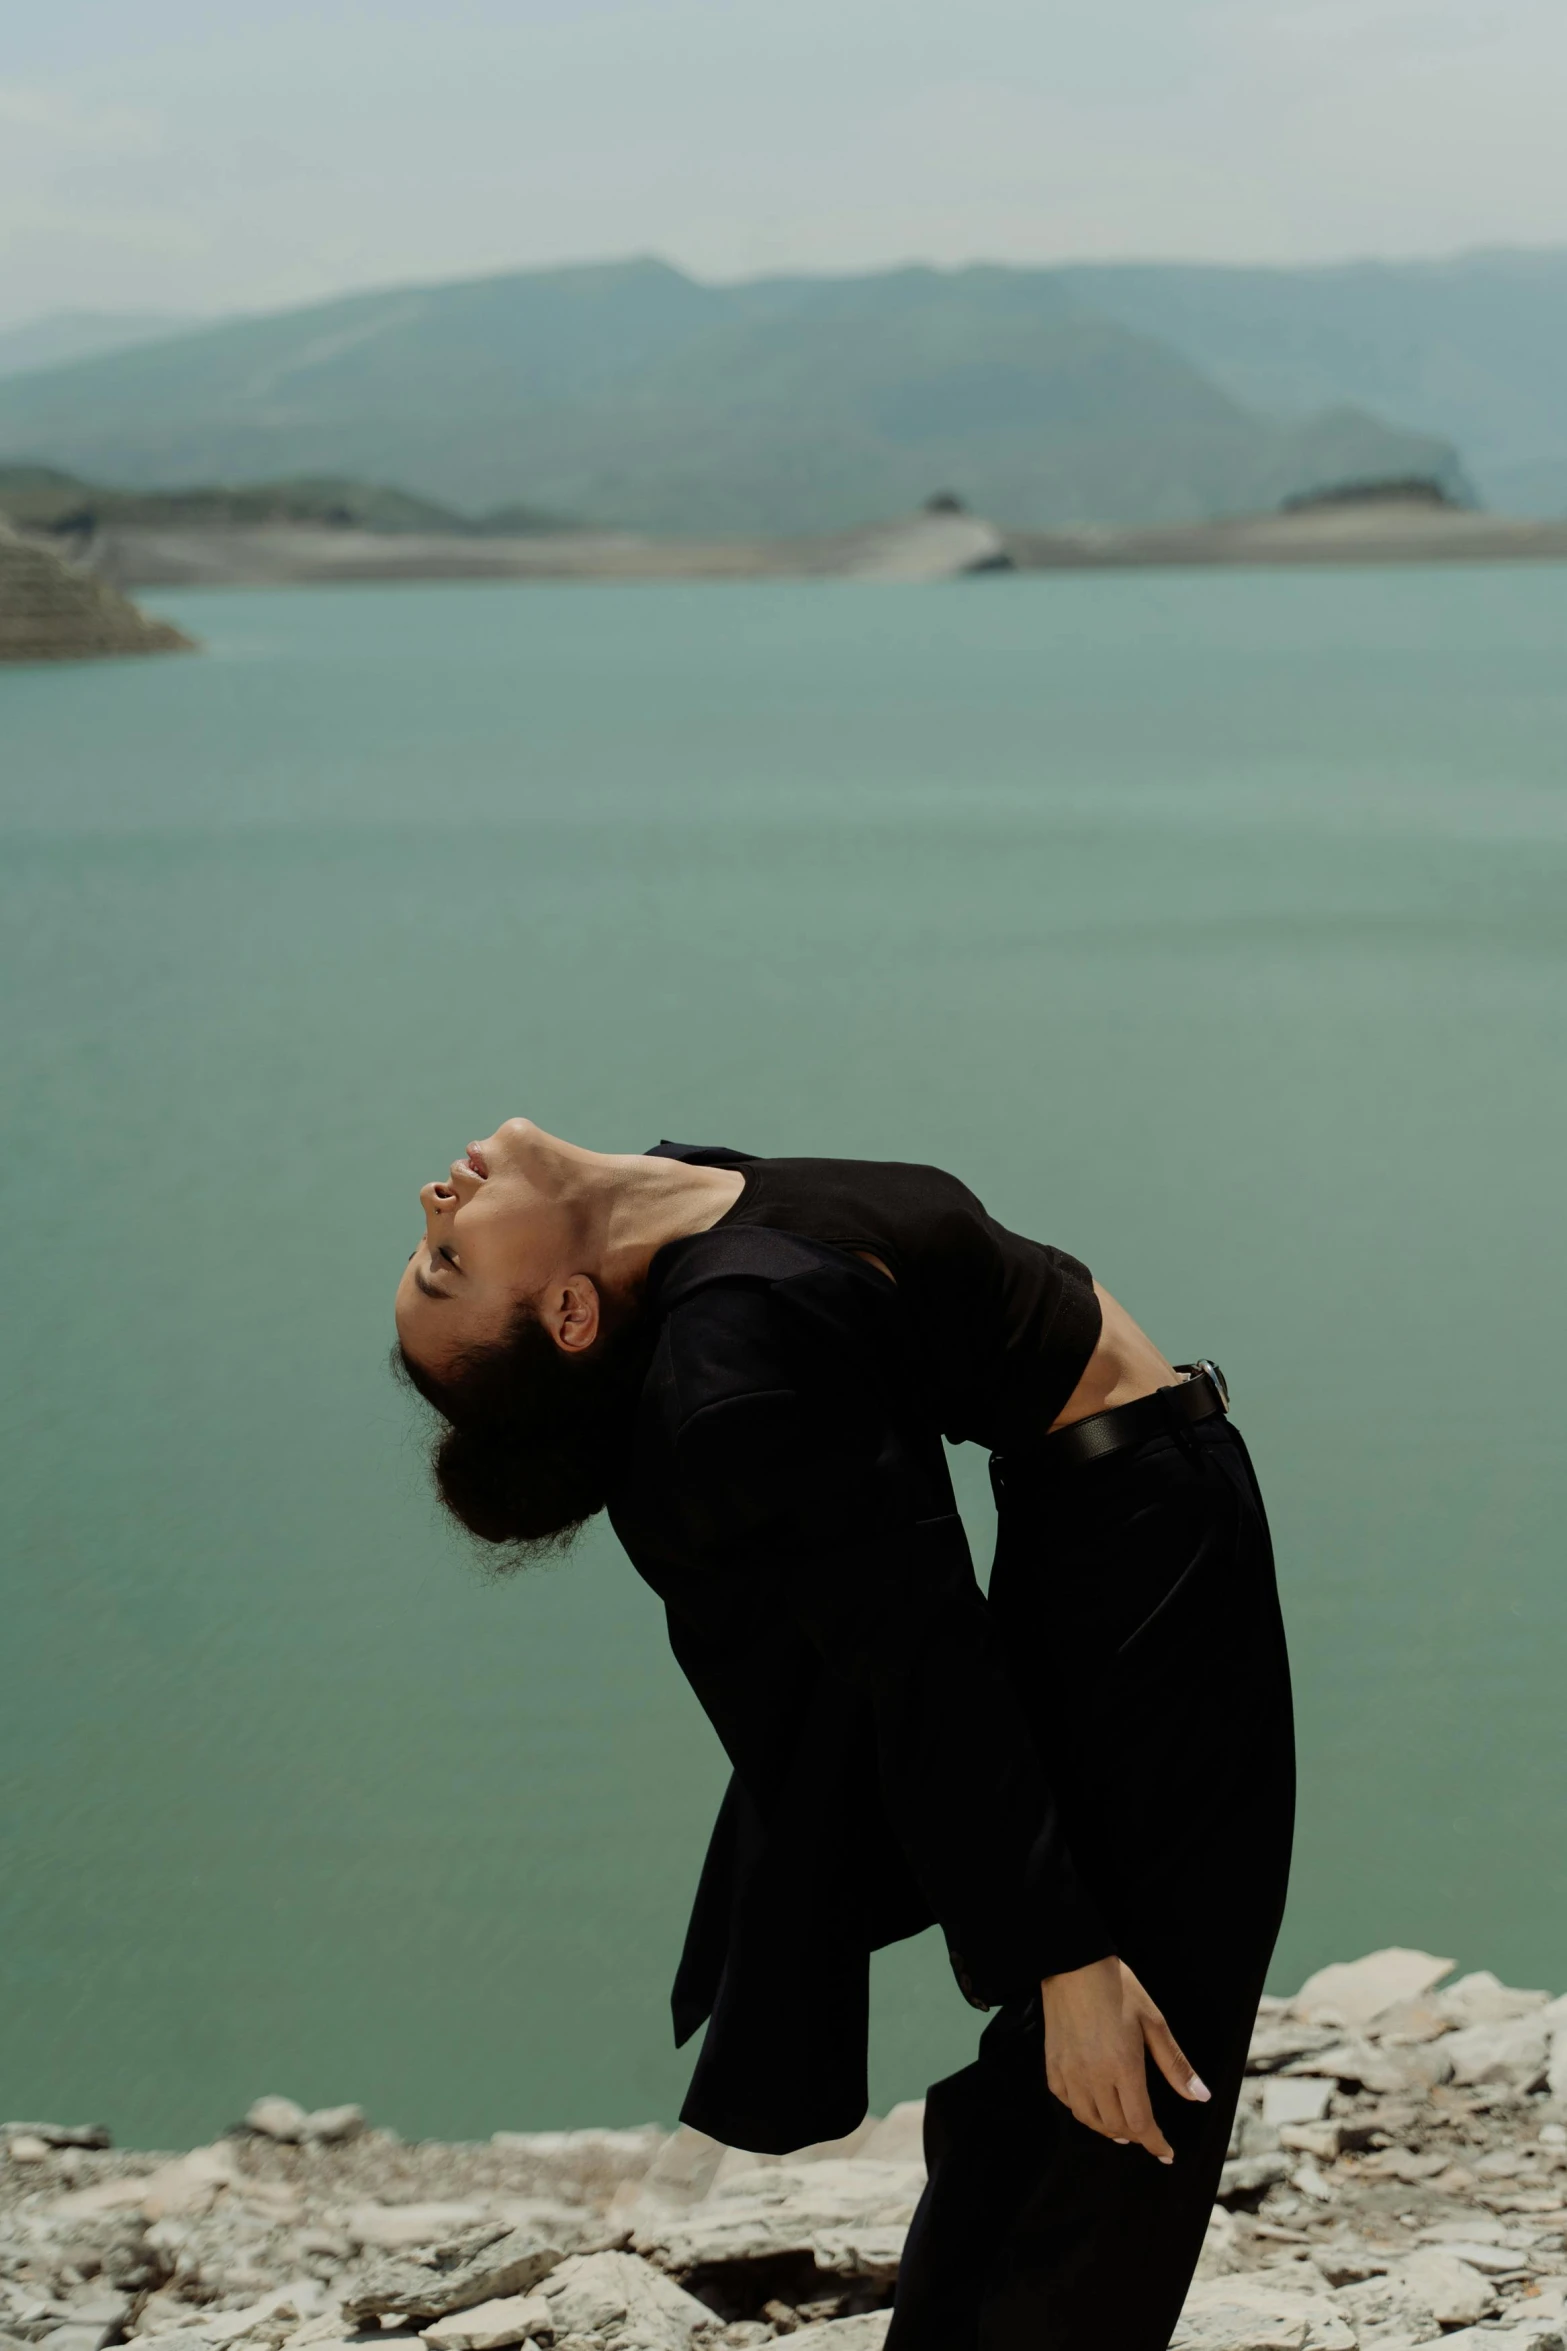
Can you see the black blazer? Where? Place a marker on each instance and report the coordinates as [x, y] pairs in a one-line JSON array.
[[787, 1496]]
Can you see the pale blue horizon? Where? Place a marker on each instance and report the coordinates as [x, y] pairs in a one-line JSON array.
[[205, 160]]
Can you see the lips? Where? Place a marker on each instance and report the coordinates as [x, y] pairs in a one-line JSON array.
[[476, 1160]]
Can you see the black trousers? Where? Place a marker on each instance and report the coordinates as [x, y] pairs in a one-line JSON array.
[[1136, 1604]]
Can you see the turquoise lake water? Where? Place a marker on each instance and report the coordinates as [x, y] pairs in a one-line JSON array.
[[1214, 926]]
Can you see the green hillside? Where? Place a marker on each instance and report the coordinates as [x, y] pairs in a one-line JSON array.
[[630, 395], [1474, 349], [42, 498]]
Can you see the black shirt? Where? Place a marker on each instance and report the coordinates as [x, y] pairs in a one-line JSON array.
[[786, 1494], [1003, 1326]]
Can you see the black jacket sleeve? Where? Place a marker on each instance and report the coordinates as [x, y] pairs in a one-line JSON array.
[[822, 1489]]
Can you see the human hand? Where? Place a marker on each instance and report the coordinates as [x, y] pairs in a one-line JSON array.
[[1100, 2028]]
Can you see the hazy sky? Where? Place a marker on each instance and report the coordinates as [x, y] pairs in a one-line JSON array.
[[225, 154]]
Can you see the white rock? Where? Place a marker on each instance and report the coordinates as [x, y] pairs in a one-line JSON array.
[[682, 2171], [272, 2319], [737, 2165], [1347, 2265], [1250, 2175], [190, 2184], [785, 2209], [1414, 2020], [854, 2190], [866, 2332], [477, 2265], [744, 2229], [1386, 2306], [1543, 2334], [1352, 1992], [1221, 2246], [391, 2228], [193, 2183], [22, 2147], [637, 2145], [20, 2309], [329, 2332], [1407, 2164], [1516, 2052], [490, 2326], [1324, 2141], [304, 2298], [1483, 1998], [1291, 2098], [98, 2306], [278, 2118], [167, 2309], [76, 2338], [1452, 2290], [830, 2150], [269, 2199], [327, 2244], [60, 2134], [1556, 2064], [900, 2138], [331, 2125], [1490, 2259], [873, 2253], [1279, 2041], [575, 2228], [1255, 2311], [1239, 2326], [1391, 2070], [604, 2293]]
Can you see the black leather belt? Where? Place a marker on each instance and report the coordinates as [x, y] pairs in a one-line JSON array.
[[1198, 1396]]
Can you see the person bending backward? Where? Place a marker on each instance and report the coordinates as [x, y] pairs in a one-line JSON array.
[[1086, 1779]]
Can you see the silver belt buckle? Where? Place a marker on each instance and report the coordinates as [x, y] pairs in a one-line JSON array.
[[1207, 1364]]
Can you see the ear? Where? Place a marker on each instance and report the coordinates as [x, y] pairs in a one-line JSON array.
[[571, 1315]]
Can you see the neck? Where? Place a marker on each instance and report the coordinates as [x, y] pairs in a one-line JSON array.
[[634, 1205]]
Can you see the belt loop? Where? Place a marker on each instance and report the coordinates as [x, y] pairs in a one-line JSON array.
[[1180, 1428]]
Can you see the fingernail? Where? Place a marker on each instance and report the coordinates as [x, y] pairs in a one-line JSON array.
[[1167, 2159], [1123, 2142], [1196, 2088]]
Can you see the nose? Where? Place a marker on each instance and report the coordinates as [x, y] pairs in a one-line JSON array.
[[449, 1191]]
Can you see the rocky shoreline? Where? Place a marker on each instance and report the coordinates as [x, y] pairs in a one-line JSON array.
[[1397, 2175], [52, 611]]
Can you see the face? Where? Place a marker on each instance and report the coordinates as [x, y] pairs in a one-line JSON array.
[[501, 1230]]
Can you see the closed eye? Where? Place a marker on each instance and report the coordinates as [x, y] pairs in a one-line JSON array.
[[422, 1280]]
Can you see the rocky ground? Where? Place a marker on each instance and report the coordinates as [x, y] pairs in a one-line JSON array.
[[1398, 2174]]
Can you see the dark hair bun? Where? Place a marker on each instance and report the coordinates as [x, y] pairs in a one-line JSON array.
[[533, 1435]]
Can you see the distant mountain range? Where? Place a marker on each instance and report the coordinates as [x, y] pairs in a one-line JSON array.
[[82, 334], [1474, 349], [629, 395]]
